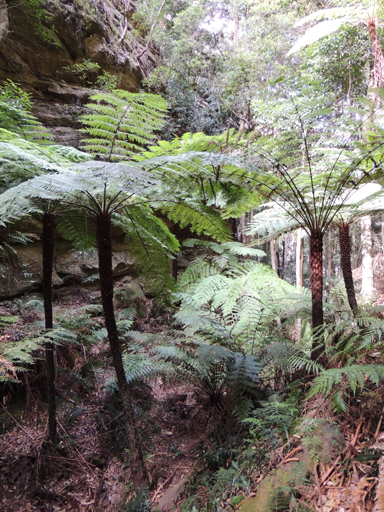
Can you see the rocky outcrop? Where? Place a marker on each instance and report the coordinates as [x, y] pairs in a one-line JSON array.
[[70, 267], [58, 50]]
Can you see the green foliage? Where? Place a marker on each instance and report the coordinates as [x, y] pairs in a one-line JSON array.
[[351, 377], [87, 69], [151, 243], [85, 323], [6, 321], [41, 19], [228, 301], [339, 61], [206, 168], [76, 228], [274, 411], [16, 116], [122, 123], [106, 82], [215, 369], [81, 69], [208, 74], [226, 485], [141, 503], [14, 356]]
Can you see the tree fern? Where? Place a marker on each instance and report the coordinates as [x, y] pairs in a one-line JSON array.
[[213, 369], [226, 302]]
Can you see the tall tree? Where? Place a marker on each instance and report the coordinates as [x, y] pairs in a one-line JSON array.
[[364, 12]]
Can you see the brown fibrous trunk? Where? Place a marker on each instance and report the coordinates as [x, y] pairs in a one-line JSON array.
[[104, 244], [345, 262], [316, 265], [48, 245]]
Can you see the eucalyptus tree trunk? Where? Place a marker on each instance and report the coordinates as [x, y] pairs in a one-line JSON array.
[[330, 251], [382, 234], [104, 245], [299, 273], [243, 226], [367, 288], [316, 265], [274, 258], [345, 262], [299, 258], [378, 58], [284, 258], [48, 243]]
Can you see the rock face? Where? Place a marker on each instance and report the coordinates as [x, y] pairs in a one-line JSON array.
[[70, 267], [56, 50]]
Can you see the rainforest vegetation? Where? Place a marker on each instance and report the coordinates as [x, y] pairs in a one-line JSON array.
[[214, 170]]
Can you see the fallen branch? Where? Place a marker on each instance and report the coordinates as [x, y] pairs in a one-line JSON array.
[[295, 450], [15, 420], [329, 472], [379, 424], [292, 459], [354, 439]]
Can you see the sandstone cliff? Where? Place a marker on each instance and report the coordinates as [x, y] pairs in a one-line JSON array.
[[44, 44]]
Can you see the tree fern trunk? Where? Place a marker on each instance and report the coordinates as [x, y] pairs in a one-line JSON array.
[[345, 261], [316, 264], [104, 244], [330, 251], [48, 242]]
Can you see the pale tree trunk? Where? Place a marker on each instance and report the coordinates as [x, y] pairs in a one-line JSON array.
[[299, 273], [378, 62], [382, 233], [330, 251], [275, 256], [243, 225], [4, 22], [236, 33], [275, 263], [285, 257], [367, 288]]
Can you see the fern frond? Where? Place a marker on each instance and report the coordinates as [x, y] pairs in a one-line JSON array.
[[355, 375], [199, 218], [76, 229], [122, 123], [298, 362]]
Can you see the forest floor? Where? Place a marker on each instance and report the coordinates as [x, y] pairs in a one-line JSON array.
[[88, 471]]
